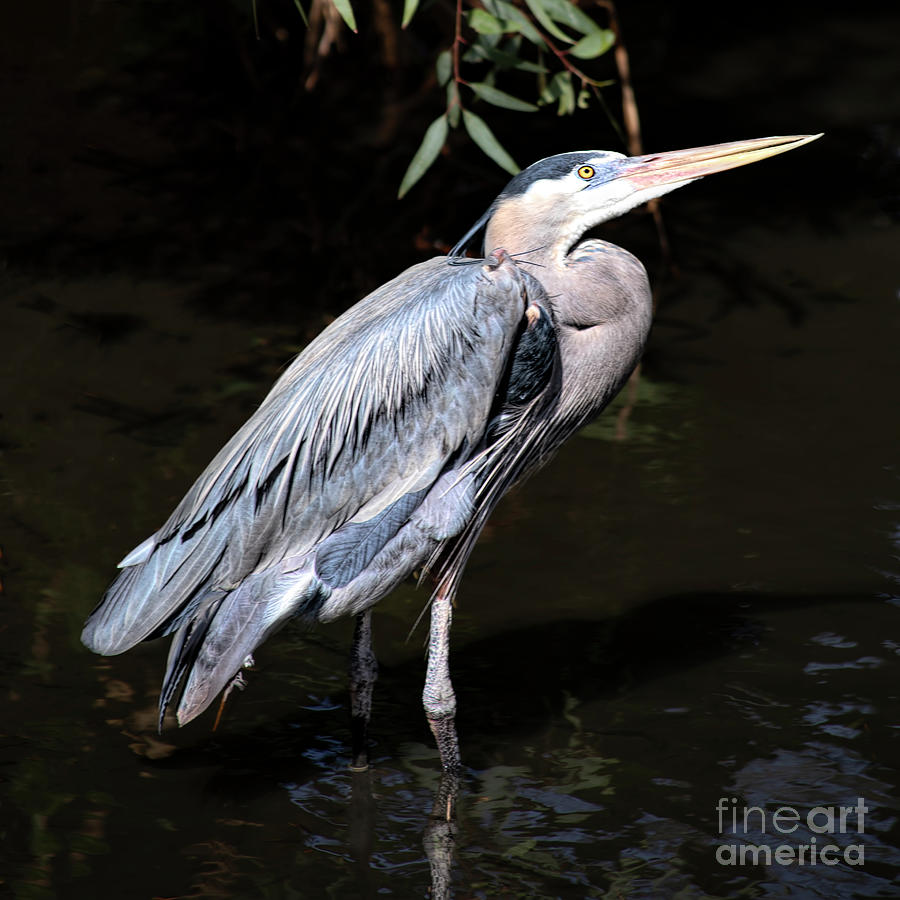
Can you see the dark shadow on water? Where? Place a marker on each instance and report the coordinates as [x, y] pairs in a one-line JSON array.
[[508, 686]]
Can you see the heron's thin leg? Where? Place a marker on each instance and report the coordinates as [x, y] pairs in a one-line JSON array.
[[363, 675], [438, 697]]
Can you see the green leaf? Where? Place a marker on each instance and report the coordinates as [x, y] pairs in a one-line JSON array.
[[302, 13], [484, 23], [504, 60], [560, 88], [409, 10], [346, 11], [526, 66], [515, 19], [567, 13], [566, 96], [426, 154], [540, 12], [482, 46], [593, 45], [444, 67], [490, 94], [484, 137], [453, 104]]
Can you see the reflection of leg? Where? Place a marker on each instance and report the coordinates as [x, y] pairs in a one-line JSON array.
[[438, 696], [440, 835], [361, 832], [363, 675]]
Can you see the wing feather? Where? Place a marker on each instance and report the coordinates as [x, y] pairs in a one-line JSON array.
[[370, 412]]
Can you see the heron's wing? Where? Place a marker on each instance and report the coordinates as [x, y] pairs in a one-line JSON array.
[[367, 415]]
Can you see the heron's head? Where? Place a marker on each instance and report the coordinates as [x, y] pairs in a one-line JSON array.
[[553, 202]]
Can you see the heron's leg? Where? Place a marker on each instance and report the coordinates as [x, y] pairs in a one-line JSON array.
[[438, 697], [363, 675]]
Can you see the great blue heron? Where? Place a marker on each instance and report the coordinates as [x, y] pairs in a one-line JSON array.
[[386, 444]]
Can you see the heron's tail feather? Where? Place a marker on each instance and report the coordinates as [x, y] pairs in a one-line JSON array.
[[210, 647], [162, 583], [185, 647]]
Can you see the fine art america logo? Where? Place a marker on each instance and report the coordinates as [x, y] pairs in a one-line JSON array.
[[786, 837]]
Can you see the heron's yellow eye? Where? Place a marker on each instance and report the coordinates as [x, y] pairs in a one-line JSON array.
[[586, 172]]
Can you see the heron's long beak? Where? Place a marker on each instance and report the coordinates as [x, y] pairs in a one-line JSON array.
[[657, 169]]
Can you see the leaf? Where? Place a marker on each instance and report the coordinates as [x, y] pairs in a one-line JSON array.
[[567, 13], [484, 137], [526, 66], [484, 23], [560, 88], [346, 11], [409, 10], [566, 95], [515, 19], [593, 45], [427, 153], [505, 60], [539, 11], [443, 66], [453, 104], [490, 94], [302, 12]]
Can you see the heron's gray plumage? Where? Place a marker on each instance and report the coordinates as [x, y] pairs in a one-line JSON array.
[[387, 443], [327, 466]]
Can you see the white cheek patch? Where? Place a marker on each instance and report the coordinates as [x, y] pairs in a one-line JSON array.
[[548, 190]]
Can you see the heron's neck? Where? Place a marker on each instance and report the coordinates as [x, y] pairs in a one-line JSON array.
[[530, 234]]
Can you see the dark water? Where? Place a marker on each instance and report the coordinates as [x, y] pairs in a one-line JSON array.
[[693, 610]]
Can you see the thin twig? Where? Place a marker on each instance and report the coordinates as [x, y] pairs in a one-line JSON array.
[[457, 40], [629, 103], [632, 120]]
